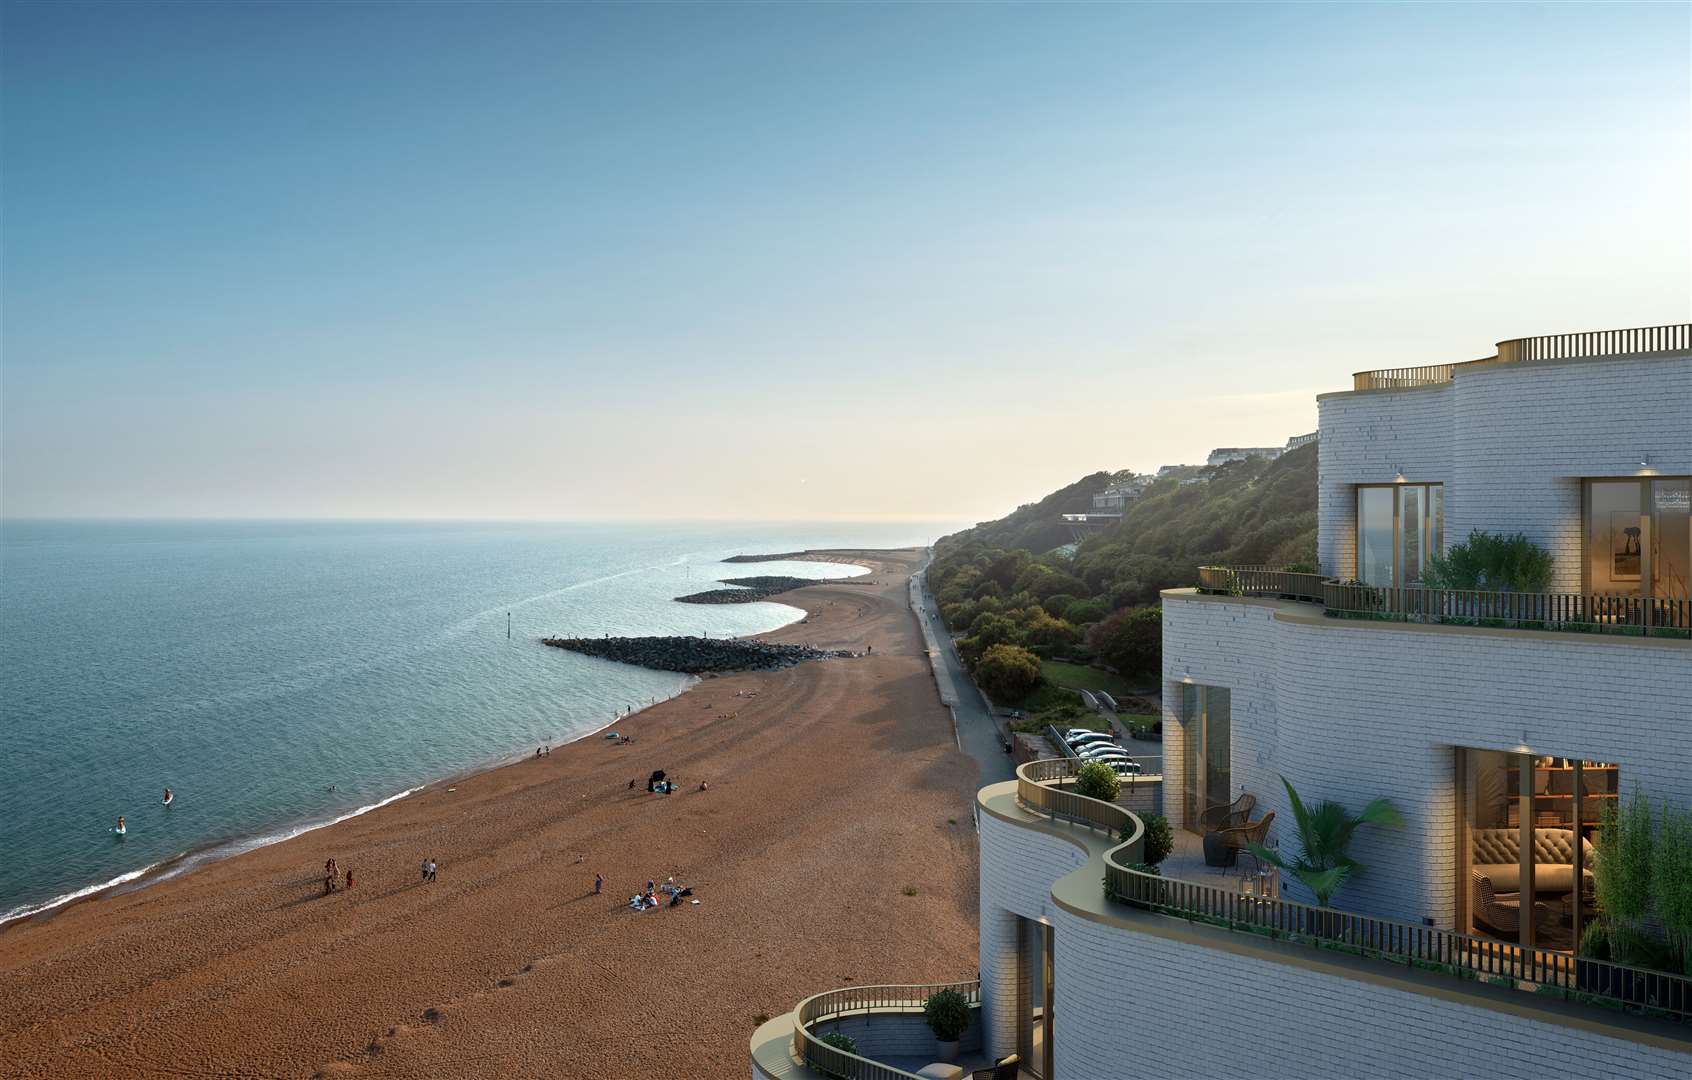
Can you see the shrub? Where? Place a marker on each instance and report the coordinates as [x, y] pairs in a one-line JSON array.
[[1324, 831], [1621, 869], [1008, 672], [1492, 563], [840, 1041], [1160, 839], [1096, 780], [1671, 881], [946, 1012]]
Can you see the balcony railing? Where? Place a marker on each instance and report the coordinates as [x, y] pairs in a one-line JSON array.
[[1462, 955], [1675, 337], [852, 1000], [1465, 956], [1039, 788], [1579, 612], [1643, 340], [1592, 613], [1261, 581]]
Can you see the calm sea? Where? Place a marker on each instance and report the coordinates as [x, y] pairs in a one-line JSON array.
[[278, 675]]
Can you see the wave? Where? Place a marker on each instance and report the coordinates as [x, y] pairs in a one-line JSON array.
[[27, 910]]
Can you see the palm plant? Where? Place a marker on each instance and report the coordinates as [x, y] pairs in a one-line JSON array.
[[1324, 831]]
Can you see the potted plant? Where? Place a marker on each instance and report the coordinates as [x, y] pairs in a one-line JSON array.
[[946, 1012]]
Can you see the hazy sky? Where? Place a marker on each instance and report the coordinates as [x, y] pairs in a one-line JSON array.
[[791, 261]]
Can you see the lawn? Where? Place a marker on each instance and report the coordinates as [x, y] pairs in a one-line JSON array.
[[1081, 677]]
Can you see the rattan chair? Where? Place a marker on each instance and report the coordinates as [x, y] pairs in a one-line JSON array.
[[1241, 835], [1232, 815]]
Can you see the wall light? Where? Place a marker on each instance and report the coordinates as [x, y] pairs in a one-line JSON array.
[[1398, 476]]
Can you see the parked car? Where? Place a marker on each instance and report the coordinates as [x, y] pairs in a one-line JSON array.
[[1103, 750], [1089, 739]]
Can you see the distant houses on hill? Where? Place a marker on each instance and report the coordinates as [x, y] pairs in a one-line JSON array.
[[1125, 488]]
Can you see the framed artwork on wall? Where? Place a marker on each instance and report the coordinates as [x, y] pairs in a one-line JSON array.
[[1624, 545]]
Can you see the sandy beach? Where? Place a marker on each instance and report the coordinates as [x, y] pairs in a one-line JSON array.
[[834, 786]]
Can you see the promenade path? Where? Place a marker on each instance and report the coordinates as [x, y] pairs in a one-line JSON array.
[[978, 732]]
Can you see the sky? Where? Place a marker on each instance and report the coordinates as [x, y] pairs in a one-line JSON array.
[[784, 261]]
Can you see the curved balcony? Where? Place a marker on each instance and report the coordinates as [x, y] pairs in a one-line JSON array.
[[1591, 345], [1040, 790], [884, 1021]]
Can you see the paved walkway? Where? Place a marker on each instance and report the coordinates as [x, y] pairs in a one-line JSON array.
[[978, 732]]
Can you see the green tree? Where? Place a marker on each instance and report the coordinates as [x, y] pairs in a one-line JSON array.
[[1085, 611], [1041, 629], [1007, 672], [1096, 780], [991, 629], [1059, 603], [1131, 640], [1621, 868], [1324, 832]]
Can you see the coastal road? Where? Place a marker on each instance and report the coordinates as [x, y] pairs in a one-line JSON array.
[[978, 734]]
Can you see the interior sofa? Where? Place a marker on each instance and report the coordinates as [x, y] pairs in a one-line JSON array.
[[1496, 856]]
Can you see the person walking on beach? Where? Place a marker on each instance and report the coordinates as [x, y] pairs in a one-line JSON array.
[[598, 884], [349, 879], [431, 869], [423, 867]]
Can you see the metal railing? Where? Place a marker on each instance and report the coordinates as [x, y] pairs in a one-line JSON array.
[[1641, 340], [1598, 613], [1460, 955], [1404, 378], [1261, 581], [839, 1004], [1589, 612], [1674, 337]]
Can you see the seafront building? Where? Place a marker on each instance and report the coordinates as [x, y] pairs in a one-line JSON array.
[[1501, 725]]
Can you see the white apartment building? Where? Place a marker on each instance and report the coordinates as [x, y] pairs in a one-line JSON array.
[[1500, 725]]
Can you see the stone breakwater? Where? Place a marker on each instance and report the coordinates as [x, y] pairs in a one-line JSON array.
[[693, 655], [780, 556], [751, 589]]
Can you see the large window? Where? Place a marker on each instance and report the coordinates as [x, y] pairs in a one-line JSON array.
[[1528, 824], [1639, 537], [1206, 771], [1399, 528]]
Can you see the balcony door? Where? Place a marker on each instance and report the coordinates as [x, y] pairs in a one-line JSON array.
[[1399, 528], [1207, 773]]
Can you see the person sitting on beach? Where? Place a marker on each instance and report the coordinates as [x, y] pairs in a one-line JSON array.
[[703, 786]]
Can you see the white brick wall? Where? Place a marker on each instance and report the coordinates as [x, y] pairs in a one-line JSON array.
[[1129, 1004], [1018, 867], [1350, 711], [1510, 443]]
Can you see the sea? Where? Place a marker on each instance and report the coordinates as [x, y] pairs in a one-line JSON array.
[[281, 675]]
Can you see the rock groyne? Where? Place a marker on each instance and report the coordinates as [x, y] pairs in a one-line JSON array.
[[780, 556], [694, 655], [751, 589]]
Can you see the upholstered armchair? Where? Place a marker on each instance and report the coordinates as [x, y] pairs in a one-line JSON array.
[[1503, 914]]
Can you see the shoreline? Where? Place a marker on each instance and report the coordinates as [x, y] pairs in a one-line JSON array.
[[232, 847], [511, 964]]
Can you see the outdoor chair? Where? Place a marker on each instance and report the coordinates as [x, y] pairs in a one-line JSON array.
[[1003, 1069], [1503, 913], [1232, 815], [1239, 836]]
